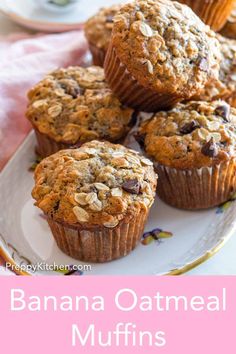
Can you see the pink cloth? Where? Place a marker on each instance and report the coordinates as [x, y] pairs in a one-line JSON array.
[[23, 61]]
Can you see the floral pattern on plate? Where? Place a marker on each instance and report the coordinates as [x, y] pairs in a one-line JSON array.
[[223, 207], [156, 235]]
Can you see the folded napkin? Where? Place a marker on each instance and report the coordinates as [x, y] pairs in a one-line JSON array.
[[24, 60]]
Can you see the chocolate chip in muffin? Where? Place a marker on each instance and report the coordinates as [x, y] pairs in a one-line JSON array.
[[132, 186], [75, 105], [210, 149], [96, 189], [133, 119], [56, 205], [73, 91], [109, 19], [189, 127], [166, 146], [158, 35], [140, 138], [223, 111], [203, 64]]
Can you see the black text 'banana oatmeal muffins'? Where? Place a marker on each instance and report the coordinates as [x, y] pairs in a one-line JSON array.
[[72, 106], [160, 53], [98, 32], [194, 152], [96, 199], [224, 87]]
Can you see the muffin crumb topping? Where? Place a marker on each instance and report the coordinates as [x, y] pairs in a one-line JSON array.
[[172, 50], [191, 135], [75, 105], [99, 183]]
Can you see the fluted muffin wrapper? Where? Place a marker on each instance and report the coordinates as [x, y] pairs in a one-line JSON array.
[[130, 91], [100, 244], [229, 30], [214, 13], [98, 55], [46, 146], [197, 188]]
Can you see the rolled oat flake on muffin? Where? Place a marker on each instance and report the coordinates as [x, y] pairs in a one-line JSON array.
[[160, 53], [194, 152], [96, 199]]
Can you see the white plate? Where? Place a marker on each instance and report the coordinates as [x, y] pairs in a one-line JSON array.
[[27, 13], [26, 238]]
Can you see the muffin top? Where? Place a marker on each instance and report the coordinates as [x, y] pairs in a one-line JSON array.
[[98, 184], [75, 104], [225, 86], [99, 27], [194, 135], [170, 47]]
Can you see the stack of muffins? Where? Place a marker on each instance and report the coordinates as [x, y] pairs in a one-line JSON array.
[[158, 57]]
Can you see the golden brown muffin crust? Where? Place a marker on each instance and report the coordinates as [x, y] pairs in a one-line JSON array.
[[99, 27], [165, 46], [75, 104], [97, 184], [225, 86], [195, 135]]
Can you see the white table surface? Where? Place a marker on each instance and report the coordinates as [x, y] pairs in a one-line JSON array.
[[224, 262]]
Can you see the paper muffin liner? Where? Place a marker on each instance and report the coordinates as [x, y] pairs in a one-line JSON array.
[[100, 244], [213, 12], [229, 30], [46, 146], [197, 188], [130, 91], [98, 55]]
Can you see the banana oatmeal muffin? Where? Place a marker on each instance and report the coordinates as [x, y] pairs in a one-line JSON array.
[[224, 87], [213, 12], [98, 32], [194, 152], [72, 106], [96, 199], [160, 53]]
